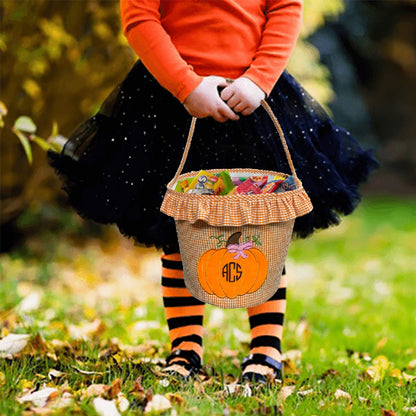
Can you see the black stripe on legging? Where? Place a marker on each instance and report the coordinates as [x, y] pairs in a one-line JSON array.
[[266, 341], [279, 295], [172, 282], [190, 338], [266, 318], [172, 264], [174, 301], [184, 321]]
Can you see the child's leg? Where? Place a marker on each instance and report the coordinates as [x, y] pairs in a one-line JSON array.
[[184, 315], [266, 323]]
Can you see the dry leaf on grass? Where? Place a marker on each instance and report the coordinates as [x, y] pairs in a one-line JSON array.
[[29, 303], [284, 393], [13, 343], [39, 398], [86, 330], [122, 402], [306, 392], [55, 374], [378, 370], [158, 404], [386, 412], [290, 367], [341, 394], [105, 407]]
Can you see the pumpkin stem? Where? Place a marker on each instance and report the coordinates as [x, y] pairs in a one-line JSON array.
[[233, 239]]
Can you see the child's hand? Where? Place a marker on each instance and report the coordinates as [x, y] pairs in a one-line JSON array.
[[204, 100], [243, 96]]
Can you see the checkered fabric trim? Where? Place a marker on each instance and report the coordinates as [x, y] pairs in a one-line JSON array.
[[198, 238], [236, 210]]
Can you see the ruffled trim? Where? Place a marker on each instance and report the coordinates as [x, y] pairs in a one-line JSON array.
[[236, 210]]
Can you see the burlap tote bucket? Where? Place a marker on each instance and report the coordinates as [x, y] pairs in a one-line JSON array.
[[234, 247]]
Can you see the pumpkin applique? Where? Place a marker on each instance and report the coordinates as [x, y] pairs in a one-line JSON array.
[[232, 271]]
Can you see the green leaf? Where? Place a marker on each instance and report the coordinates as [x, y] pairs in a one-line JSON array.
[[25, 143], [3, 112], [54, 129], [3, 109], [41, 143], [26, 124]]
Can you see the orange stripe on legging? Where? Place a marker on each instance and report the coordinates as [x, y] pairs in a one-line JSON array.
[[268, 307], [184, 331], [175, 292], [269, 351], [178, 274], [173, 257], [268, 330], [178, 311]]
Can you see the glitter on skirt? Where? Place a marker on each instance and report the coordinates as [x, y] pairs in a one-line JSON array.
[[122, 178]]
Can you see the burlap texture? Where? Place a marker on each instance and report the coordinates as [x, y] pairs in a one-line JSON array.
[[198, 238]]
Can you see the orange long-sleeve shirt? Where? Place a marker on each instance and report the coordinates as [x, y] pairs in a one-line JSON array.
[[180, 41]]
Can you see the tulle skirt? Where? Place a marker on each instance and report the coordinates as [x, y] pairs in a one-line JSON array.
[[121, 178]]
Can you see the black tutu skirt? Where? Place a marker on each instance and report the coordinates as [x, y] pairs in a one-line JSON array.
[[139, 140]]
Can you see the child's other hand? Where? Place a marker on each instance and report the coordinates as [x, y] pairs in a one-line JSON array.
[[243, 96], [204, 100]]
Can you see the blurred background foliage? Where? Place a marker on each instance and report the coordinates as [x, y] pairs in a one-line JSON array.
[[59, 60]]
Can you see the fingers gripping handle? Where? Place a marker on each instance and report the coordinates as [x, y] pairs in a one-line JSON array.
[[276, 124]]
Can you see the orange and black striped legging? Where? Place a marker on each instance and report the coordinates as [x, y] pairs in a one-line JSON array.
[[185, 314]]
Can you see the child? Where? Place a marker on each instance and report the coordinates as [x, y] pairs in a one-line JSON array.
[[188, 51]]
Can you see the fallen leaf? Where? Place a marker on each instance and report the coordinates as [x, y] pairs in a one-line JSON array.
[[114, 389], [410, 409], [284, 393], [290, 367], [408, 377], [145, 325], [30, 303], [66, 400], [386, 412], [395, 372], [13, 343], [363, 400], [381, 343], [137, 387], [86, 330], [341, 394], [39, 398], [294, 355], [241, 336], [174, 398], [303, 330], [55, 374], [105, 407], [122, 402], [158, 404], [2, 379], [306, 392], [95, 390], [378, 371], [330, 372]]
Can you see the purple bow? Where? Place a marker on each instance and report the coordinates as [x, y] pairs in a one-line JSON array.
[[239, 249]]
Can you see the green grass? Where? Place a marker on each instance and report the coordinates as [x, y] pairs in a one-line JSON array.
[[351, 299]]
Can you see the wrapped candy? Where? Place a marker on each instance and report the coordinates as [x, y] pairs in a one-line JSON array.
[[287, 185]]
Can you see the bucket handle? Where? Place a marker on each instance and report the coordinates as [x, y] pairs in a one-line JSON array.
[[278, 129]]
